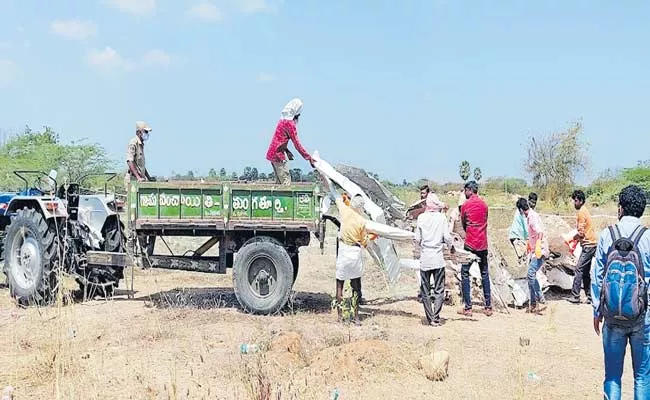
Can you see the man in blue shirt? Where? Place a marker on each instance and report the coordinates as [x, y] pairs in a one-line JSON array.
[[518, 235], [631, 205]]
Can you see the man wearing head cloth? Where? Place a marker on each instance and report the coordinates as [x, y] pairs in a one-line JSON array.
[[286, 130], [431, 234]]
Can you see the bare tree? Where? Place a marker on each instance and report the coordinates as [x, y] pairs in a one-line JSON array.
[[554, 160]]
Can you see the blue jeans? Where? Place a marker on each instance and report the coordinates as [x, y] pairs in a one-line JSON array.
[[533, 284], [615, 339]]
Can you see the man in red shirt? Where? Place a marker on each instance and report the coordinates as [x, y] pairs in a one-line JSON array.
[[474, 218], [286, 130]]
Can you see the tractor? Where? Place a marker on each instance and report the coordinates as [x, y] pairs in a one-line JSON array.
[[46, 233]]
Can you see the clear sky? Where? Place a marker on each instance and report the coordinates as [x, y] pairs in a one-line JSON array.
[[406, 88]]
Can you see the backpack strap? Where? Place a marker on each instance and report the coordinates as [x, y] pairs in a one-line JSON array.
[[614, 233], [638, 234], [635, 237]]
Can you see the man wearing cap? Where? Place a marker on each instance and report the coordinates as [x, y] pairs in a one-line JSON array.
[[135, 155], [286, 130], [137, 170]]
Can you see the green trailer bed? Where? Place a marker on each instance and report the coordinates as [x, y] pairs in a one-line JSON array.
[[228, 206], [259, 229]]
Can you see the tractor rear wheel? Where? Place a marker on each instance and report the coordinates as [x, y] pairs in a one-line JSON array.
[[103, 281]]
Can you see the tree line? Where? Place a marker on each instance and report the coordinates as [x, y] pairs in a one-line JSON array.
[[248, 174], [552, 162]]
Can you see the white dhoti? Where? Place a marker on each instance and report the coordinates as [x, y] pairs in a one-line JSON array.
[[349, 263]]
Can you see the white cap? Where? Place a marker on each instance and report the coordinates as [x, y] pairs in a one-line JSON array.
[[142, 126]]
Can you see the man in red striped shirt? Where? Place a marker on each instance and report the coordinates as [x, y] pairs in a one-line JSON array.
[[474, 217], [286, 130]]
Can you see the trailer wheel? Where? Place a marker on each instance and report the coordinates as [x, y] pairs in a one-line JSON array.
[[30, 254], [295, 262], [262, 276]]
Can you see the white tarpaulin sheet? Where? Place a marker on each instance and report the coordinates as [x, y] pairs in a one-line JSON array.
[[382, 249]]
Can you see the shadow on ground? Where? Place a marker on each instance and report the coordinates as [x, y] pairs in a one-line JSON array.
[[390, 313], [212, 298]]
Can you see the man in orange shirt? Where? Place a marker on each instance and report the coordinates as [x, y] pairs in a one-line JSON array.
[[588, 240]]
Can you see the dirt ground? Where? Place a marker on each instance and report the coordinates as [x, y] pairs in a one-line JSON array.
[[179, 338]]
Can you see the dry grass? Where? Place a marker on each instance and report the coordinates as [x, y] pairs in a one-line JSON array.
[[184, 344]]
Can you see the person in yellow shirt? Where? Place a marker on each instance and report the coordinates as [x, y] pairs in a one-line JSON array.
[[353, 238], [587, 238], [355, 231]]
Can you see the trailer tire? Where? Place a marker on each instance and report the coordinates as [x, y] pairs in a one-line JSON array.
[[295, 262], [31, 246], [262, 276]]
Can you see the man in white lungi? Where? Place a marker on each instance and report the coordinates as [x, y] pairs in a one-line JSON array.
[[353, 238], [354, 233]]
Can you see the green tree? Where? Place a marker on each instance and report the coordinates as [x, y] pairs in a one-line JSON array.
[[310, 177], [508, 185], [43, 151], [296, 175], [554, 160], [606, 187], [638, 175], [223, 174], [29, 150], [254, 174], [478, 174], [234, 176], [81, 158], [464, 170], [212, 174], [247, 174], [190, 175]]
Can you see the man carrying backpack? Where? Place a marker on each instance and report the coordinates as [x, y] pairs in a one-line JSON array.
[[620, 297]]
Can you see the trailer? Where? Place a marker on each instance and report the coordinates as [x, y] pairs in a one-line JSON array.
[[257, 228]]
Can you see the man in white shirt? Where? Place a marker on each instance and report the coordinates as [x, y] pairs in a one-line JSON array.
[[431, 233]]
